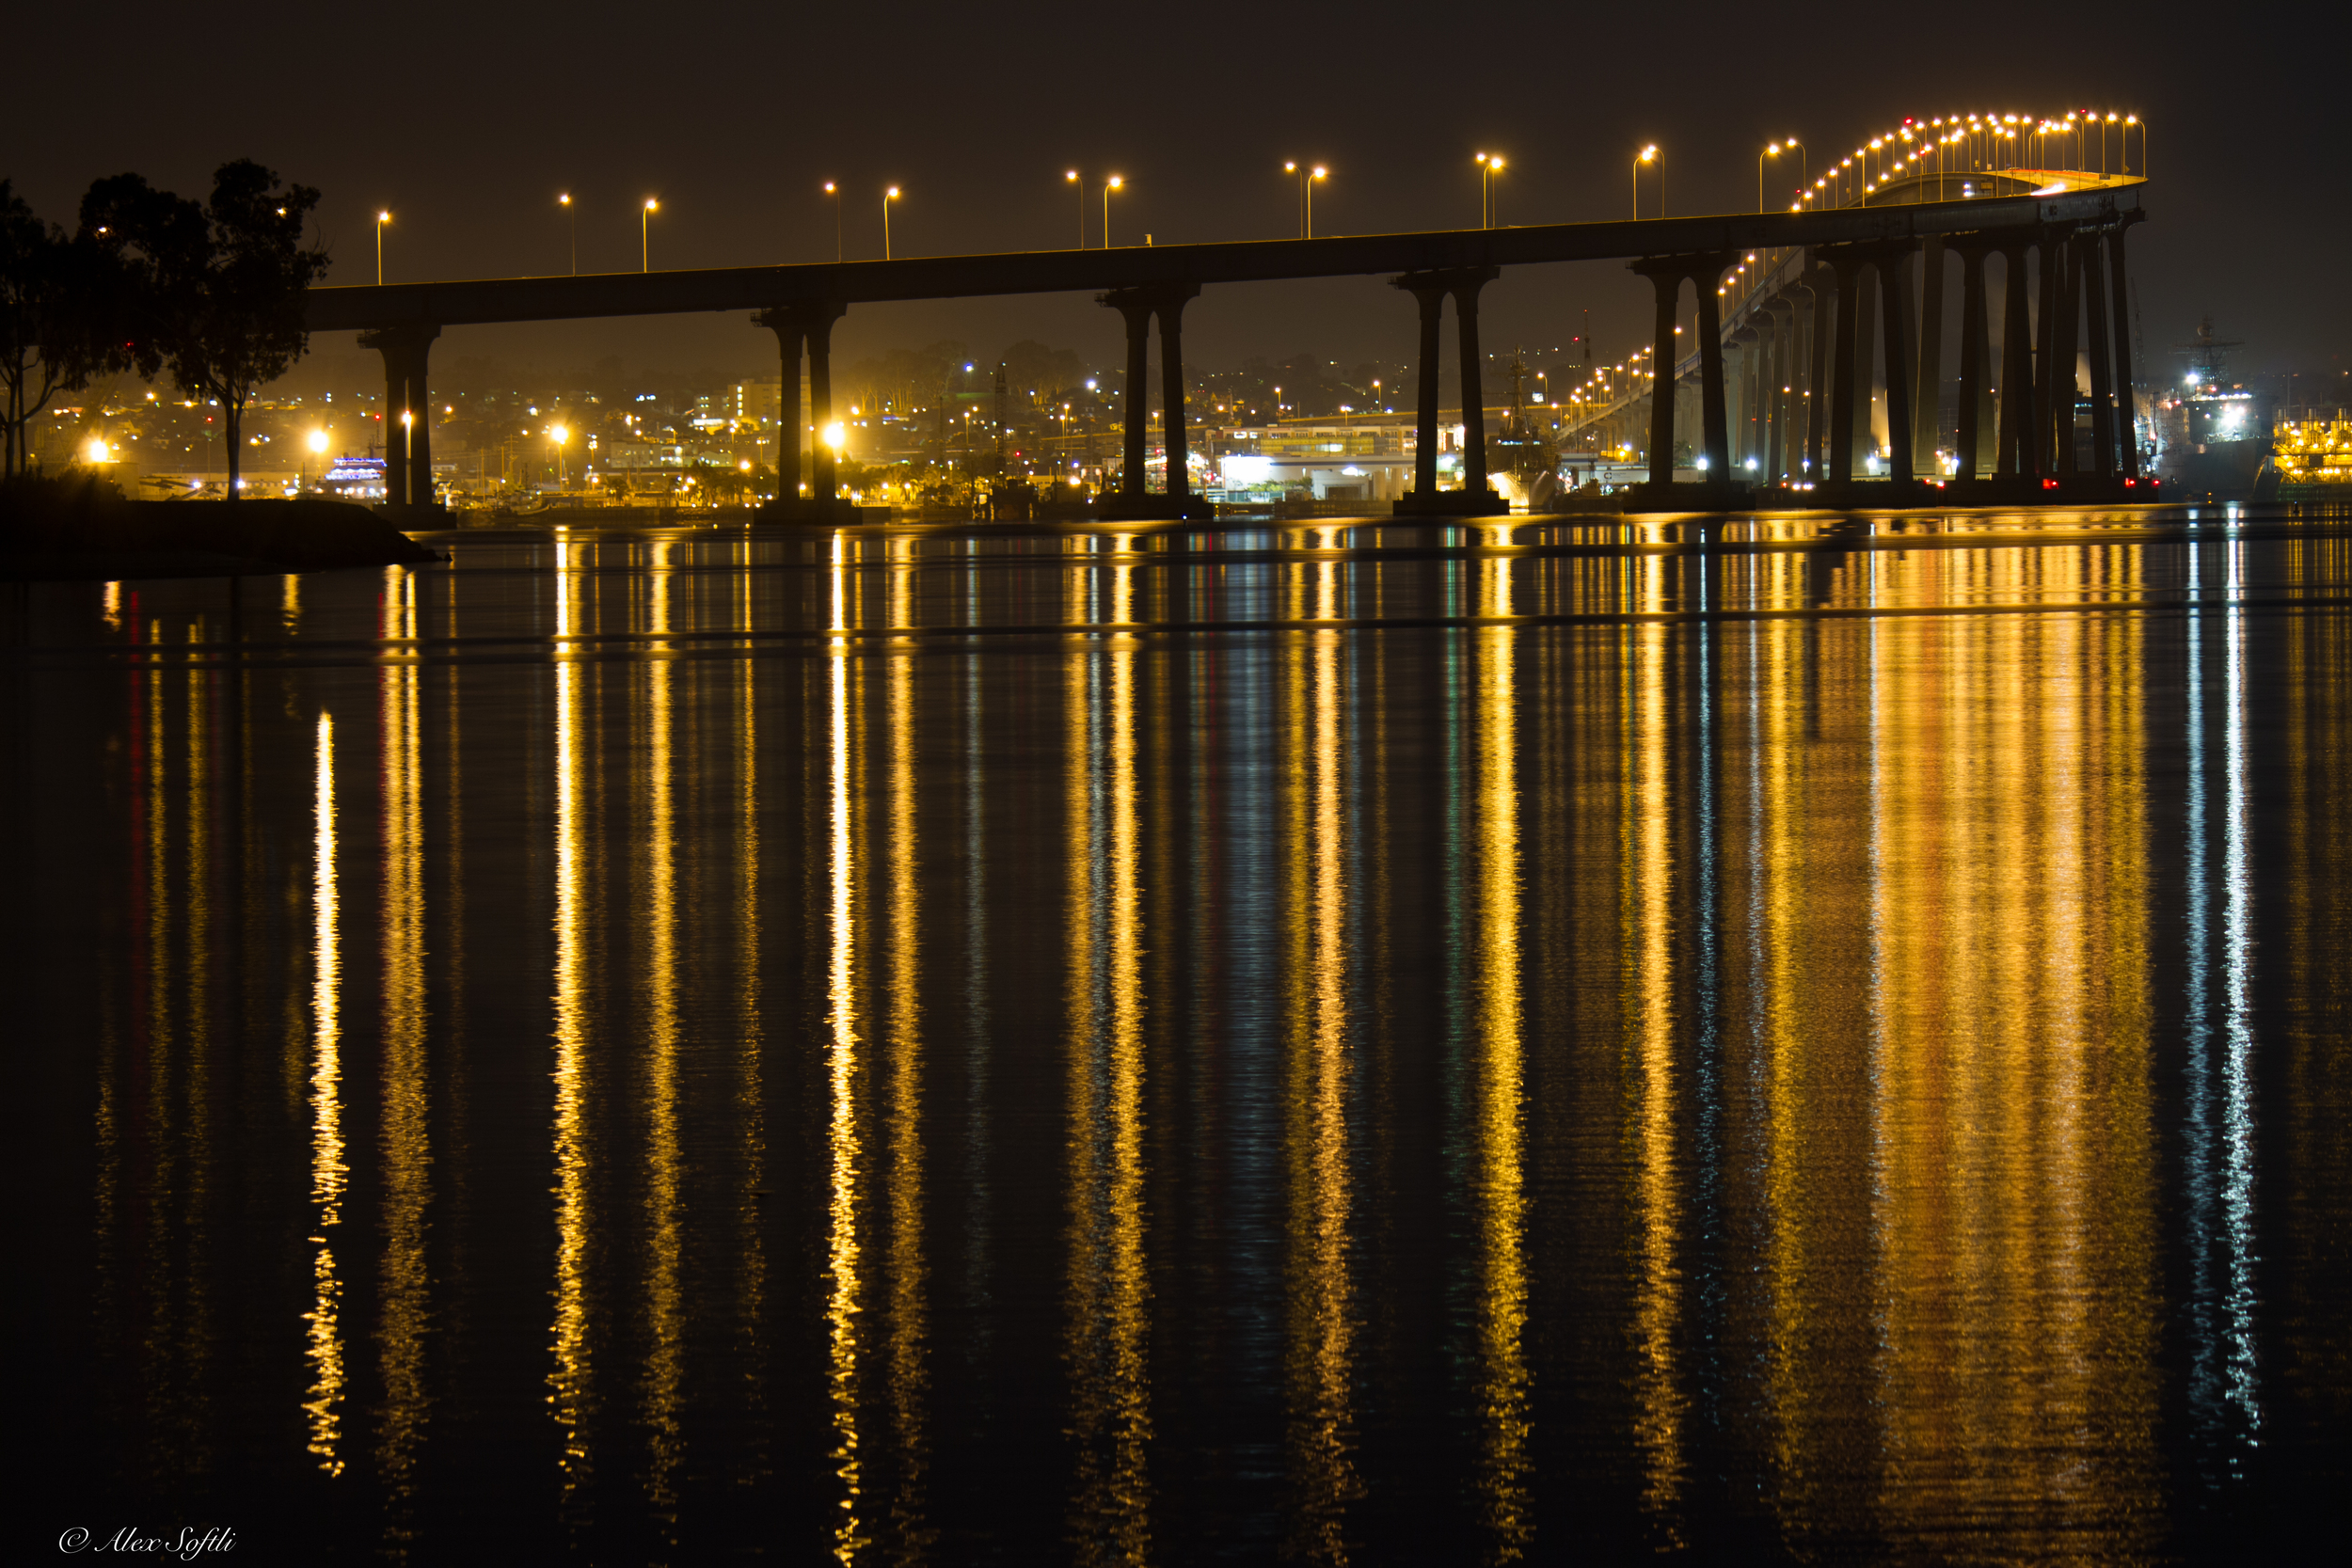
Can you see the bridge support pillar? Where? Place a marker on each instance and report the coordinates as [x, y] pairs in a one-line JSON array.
[[1972, 362], [1744, 396], [1171, 314], [1132, 459], [2065, 394], [2018, 420], [1668, 286], [1820, 286], [1780, 400], [1711, 328], [1475, 499], [2101, 365], [1473, 384], [1845, 265], [1866, 316], [791, 331], [1894, 268], [2049, 266], [798, 327], [407, 404], [1431, 298], [1666, 274], [2120, 302], [1927, 400], [1137, 307], [823, 461]]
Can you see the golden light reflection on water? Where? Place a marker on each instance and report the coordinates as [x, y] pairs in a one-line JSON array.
[[571, 1382], [404, 1310], [911, 1533], [1504, 1395], [1653, 1114], [1905, 1280], [1110, 1518], [328, 1173], [663, 1202], [842, 1244], [196, 1327], [750, 1118], [1322, 1328]]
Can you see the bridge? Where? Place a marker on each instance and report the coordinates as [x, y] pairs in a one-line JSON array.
[[1840, 268]]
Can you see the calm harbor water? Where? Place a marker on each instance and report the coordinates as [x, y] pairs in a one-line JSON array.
[[1821, 1040]]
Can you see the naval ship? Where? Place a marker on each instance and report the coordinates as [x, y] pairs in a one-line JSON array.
[[2212, 434]]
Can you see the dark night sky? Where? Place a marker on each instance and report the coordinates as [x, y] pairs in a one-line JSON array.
[[465, 119]]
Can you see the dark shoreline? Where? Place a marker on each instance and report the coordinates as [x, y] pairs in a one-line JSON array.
[[53, 534]]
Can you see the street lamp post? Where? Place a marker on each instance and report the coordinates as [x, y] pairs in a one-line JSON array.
[[1648, 155], [571, 214], [559, 435], [645, 235], [1112, 184], [1306, 195], [1072, 178], [1489, 165], [888, 196], [1772, 150], [835, 191], [383, 218]]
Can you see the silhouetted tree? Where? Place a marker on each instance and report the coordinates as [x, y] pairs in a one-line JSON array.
[[215, 291], [60, 321]]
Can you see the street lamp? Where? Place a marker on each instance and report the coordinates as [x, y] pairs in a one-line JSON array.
[[1112, 184], [383, 218], [1489, 167], [645, 235], [1306, 195], [1648, 155], [888, 196], [571, 212], [835, 191], [1072, 178], [559, 435], [1775, 150]]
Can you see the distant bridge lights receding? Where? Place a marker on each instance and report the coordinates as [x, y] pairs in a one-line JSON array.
[[1972, 147]]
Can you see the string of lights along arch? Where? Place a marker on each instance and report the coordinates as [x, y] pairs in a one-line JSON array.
[[1984, 154]]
